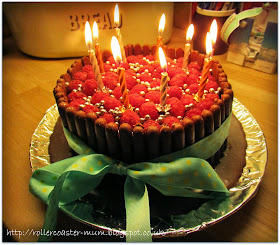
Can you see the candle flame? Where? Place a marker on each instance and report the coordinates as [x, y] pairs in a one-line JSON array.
[[162, 59], [213, 31], [190, 33], [116, 16], [95, 31], [88, 37], [161, 24], [116, 49], [208, 44]]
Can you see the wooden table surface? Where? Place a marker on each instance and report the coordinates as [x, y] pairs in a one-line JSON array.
[[27, 94]]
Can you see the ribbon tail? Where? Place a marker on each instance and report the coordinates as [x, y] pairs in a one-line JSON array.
[[52, 210], [138, 227]]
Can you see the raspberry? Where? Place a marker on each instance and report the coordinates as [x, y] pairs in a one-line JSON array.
[[75, 95], [178, 80], [157, 73], [117, 92], [131, 59], [98, 96], [87, 68], [193, 78], [194, 65], [193, 88], [111, 74], [149, 108], [192, 112], [172, 71], [210, 77], [156, 65], [142, 62], [111, 103], [170, 120], [110, 82], [179, 61], [205, 104], [138, 89], [136, 100], [150, 122], [211, 84], [125, 66], [177, 108], [129, 72], [150, 57], [90, 108], [111, 60], [74, 84], [89, 87], [145, 77], [108, 117], [193, 71], [187, 99], [146, 67], [91, 75], [212, 96], [155, 83], [174, 91], [80, 76], [169, 60], [130, 117], [107, 67], [76, 103], [153, 96], [130, 81]]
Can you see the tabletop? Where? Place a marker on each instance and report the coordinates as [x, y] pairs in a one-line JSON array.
[[28, 83]]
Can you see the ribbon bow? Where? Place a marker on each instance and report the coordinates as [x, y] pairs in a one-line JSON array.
[[173, 175]]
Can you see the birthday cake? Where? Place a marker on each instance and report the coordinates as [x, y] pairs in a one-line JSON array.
[[144, 129]]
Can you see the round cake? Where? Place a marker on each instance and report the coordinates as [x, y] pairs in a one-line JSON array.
[[143, 131]]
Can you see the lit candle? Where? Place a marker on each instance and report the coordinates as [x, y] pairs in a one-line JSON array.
[[93, 61], [164, 78], [118, 31], [207, 66], [213, 34], [161, 27], [116, 50], [97, 47], [189, 36]]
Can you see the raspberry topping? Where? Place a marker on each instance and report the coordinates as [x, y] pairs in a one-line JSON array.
[[150, 122], [153, 96], [76, 95], [89, 87], [170, 120], [130, 117], [136, 100], [90, 108], [98, 96], [111, 103], [76, 103], [177, 108], [149, 108]]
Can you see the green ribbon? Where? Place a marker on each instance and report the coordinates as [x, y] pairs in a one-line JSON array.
[[173, 175]]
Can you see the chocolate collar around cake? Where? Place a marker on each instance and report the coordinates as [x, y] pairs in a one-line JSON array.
[[143, 132]]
